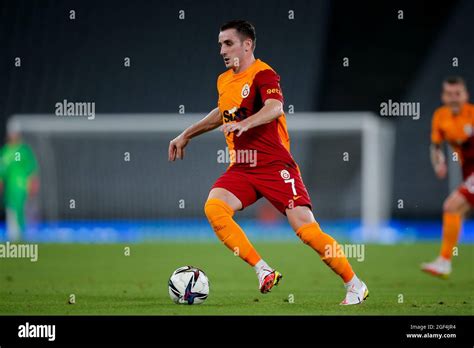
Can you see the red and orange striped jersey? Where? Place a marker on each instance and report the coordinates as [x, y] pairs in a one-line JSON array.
[[458, 131], [242, 95]]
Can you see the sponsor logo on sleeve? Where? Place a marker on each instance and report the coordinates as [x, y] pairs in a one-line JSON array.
[[273, 91]]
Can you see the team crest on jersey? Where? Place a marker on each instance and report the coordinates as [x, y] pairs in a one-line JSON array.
[[245, 91], [285, 174], [468, 130], [470, 184]]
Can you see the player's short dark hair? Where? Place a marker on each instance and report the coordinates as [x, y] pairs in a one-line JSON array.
[[454, 80], [244, 28]]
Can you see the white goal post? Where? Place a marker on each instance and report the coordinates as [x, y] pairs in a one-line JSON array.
[[377, 142]]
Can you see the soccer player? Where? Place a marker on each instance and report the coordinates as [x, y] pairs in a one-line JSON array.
[[250, 110], [454, 123], [18, 178]]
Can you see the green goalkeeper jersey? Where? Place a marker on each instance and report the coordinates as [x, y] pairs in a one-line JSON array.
[[17, 164]]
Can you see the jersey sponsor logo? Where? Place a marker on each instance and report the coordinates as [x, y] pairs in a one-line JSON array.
[[245, 91], [273, 91], [296, 197], [234, 114]]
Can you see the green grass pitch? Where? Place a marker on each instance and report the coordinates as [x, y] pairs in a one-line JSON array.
[[105, 281]]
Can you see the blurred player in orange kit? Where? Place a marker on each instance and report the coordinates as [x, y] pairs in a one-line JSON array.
[[250, 110], [454, 123]]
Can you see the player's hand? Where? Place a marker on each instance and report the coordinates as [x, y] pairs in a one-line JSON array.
[[441, 170], [238, 127], [176, 148], [439, 163]]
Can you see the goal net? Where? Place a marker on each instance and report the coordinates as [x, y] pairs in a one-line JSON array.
[[115, 168]]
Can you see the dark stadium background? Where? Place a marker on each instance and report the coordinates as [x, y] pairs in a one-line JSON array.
[[134, 222], [176, 62]]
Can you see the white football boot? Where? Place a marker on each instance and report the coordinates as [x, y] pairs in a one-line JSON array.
[[439, 267], [356, 294]]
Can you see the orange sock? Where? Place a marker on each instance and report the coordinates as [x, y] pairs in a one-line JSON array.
[[451, 227], [220, 215], [327, 248]]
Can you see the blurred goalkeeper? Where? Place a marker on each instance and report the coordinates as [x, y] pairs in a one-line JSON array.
[[18, 179], [453, 123], [250, 110]]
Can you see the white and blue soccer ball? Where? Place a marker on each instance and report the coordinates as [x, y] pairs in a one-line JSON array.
[[188, 285]]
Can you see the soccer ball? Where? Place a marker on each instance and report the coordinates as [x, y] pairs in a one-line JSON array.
[[188, 285]]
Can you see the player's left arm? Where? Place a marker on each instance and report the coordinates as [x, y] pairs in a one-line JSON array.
[[271, 110]]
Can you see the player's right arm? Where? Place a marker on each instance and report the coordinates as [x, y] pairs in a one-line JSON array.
[[208, 123], [438, 160]]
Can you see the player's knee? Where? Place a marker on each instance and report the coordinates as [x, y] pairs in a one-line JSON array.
[[299, 216], [447, 207], [451, 205]]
